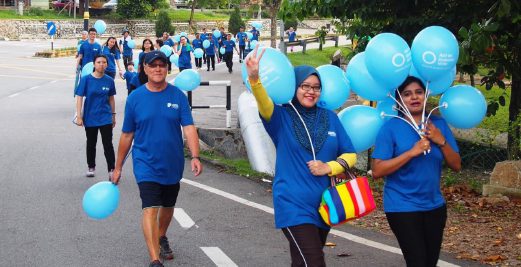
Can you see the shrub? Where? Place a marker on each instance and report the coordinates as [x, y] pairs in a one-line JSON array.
[[290, 22], [129, 9], [235, 21], [163, 23]]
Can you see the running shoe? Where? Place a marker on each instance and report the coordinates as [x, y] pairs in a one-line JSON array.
[[90, 172], [165, 252], [156, 263]]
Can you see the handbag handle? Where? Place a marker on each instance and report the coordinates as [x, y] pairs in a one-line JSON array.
[[347, 171]]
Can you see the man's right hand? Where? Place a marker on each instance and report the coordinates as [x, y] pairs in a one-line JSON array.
[[116, 175]]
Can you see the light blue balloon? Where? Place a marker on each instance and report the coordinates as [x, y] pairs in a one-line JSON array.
[[257, 25], [253, 44], [463, 106], [188, 80], [198, 53], [249, 35], [335, 87], [100, 26], [136, 64], [387, 107], [222, 50], [388, 59], [167, 50], [101, 200], [184, 34], [233, 39], [362, 124], [438, 86], [206, 44], [87, 69], [435, 52], [216, 33], [361, 81], [277, 76], [131, 44], [177, 38], [244, 75], [175, 59], [79, 47]]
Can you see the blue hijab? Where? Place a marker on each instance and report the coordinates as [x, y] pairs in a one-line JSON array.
[[315, 117]]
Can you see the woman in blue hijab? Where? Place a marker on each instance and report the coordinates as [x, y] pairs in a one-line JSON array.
[[302, 167]]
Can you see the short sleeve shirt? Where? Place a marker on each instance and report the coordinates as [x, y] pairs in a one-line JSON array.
[[96, 110]]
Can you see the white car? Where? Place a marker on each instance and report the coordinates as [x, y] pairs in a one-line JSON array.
[[112, 5]]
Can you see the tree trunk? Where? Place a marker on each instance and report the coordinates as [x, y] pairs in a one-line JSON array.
[[81, 8], [273, 18], [191, 16], [472, 83], [514, 120]]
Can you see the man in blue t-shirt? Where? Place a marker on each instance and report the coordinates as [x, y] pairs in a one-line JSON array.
[[255, 33], [241, 36], [129, 75], [204, 37], [229, 45], [197, 43], [125, 49], [154, 115], [88, 49]]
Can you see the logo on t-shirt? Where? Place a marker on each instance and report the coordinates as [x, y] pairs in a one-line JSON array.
[[172, 105], [105, 88], [332, 134]]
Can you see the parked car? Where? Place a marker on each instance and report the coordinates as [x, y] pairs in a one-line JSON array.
[[112, 5]]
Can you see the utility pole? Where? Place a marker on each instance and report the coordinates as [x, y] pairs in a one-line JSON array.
[[86, 16]]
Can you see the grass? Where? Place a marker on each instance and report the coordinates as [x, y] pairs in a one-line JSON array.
[[499, 122], [316, 58], [235, 166], [183, 15], [34, 13]]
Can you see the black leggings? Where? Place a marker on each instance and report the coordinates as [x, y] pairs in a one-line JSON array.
[[106, 139], [126, 60], [210, 59], [228, 58], [198, 62], [419, 234], [306, 243]]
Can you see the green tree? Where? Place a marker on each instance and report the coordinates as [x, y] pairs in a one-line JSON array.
[[134, 8], [273, 7], [163, 23], [235, 22]]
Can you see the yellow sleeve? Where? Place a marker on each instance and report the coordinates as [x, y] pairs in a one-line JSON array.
[[336, 168], [264, 102]]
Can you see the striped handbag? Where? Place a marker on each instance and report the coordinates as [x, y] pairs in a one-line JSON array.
[[346, 201]]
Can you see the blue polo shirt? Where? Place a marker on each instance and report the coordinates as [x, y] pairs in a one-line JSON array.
[[88, 51], [416, 185], [292, 36], [127, 51], [296, 192], [156, 119], [229, 45], [197, 43], [96, 110], [241, 36], [255, 35], [210, 51], [185, 61], [112, 56], [128, 76], [169, 42]]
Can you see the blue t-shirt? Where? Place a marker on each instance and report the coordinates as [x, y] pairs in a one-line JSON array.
[[128, 76], [197, 43], [169, 42], [292, 36], [134, 81], [203, 36], [185, 61], [127, 51], [96, 110], [240, 37], [255, 35], [156, 118], [416, 185], [228, 46], [111, 58], [88, 51], [296, 192], [210, 51]]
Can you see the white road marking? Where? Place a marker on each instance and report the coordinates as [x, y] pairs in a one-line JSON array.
[[13, 95], [34, 87], [183, 219], [53, 81], [218, 257], [350, 237]]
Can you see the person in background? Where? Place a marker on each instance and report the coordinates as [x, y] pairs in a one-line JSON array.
[[146, 47], [159, 44], [112, 52], [210, 52], [84, 36], [229, 45], [129, 75], [98, 114], [256, 34], [292, 35], [125, 49], [411, 165], [241, 36], [167, 40], [197, 43], [247, 47], [221, 39], [204, 35], [88, 50], [184, 50], [157, 115]]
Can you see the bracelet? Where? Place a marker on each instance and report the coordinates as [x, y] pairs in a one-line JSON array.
[[113, 113], [199, 159], [443, 144]]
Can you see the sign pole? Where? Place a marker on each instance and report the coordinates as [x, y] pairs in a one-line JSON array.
[[52, 42]]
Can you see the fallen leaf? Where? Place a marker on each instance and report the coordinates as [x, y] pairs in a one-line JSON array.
[[518, 236], [330, 244], [344, 254], [498, 242], [495, 258]]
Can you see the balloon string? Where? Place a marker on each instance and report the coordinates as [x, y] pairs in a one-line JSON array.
[[307, 132], [406, 121], [430, 113], [427, 93], [404, 109]]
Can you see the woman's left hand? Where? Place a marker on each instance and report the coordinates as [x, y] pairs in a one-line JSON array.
[[318, 168], [433, 134], [113, 121]]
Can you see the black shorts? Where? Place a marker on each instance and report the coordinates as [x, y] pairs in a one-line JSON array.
[[155, 195]]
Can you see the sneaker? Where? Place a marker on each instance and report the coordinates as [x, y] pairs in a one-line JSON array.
[[156, 263], [164, 249], [207, 69], [90, 172], [240, 60]]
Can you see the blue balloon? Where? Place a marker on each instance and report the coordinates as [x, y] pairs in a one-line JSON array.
[[87, 69], [361, 81], [257, 25], [222, 50], [136, 64], [277, 76], [387, 107], [249, 35], [216, 33], [100, 26], [438, 86], [253, 44], [101, 200], [79, 47], [131, 44], [175, 59], [388, 59], [177, 38], [198, 53], [335, 87], [166, 49], [206, 44], [233, 39], [463, 106], [244, 75], [362, 124], [184, 34], [188, 80], [435, 52]]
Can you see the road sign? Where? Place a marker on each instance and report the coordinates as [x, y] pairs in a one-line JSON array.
[[51, 28]]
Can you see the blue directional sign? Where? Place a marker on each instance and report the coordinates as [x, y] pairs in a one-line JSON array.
[[51, 28]]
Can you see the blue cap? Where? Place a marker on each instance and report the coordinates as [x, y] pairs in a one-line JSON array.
[[153, 55]]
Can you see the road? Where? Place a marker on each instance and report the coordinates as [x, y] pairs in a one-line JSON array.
[[220, 219]]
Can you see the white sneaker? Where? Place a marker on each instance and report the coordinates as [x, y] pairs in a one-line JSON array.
[[90, 172]]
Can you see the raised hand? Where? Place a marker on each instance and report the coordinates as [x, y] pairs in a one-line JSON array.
[[434, 134], [252, 63]]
